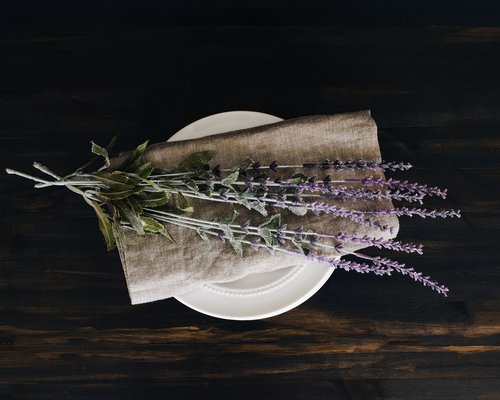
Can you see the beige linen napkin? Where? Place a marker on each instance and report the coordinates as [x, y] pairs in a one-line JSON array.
[[156, 269]]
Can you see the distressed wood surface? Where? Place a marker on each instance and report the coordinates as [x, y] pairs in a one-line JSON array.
[[67, 330]]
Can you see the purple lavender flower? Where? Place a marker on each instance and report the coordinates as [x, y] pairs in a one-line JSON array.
[[376, 242], [416, 276], [360, 164], [346, 265], [420, 212], [403, 185]]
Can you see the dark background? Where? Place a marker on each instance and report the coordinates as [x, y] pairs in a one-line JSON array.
[[75, 71]]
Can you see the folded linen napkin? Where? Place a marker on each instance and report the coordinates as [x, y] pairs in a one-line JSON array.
[[156, 269]]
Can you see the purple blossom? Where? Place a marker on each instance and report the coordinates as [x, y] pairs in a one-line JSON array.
[[360, 164], [346, 265], [420, 212], [376, 242], [273, 166], [403, 185], [416, 276], [332, 209]]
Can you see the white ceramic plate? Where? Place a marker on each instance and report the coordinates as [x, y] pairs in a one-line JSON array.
[[255, 296]]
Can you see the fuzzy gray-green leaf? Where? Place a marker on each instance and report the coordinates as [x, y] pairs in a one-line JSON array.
[[104, 226], [195, 161], [237, 246], [119, 195], [297, 179], [266, 235], [130, 216], [229, 180], [135, 205], [182, 203], [101, 151], [153, 200], [134, 159], [298, 210]]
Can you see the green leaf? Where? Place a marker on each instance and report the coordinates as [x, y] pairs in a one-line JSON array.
[[231, 217], [273, 223], [190, 183], [130, 216], [266, 235], [152, 200], [230, 179], [243, 201], [135, 205], [134, 159], [101, 151], [202, 234], [119, 195], [195, 161], [227, 230], [120, 234], [246, 165], [153, 226], [297, 179], [104, 226], [144, 170], [116, 180], [237, 246], [167, 234], [298, 210], [182, 204], [255, 205]]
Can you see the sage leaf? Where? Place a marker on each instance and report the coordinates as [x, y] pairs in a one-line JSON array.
[[144, 170], [104, 226], [134, 159], [116, 180], [229, 180], [257, 206], [237, 246], [267, 235], [101, 151], [202, 234], [298, 210], [152, 200], [273, 223], [246, 165], [153, 226], [120, 234], [130, 216], [182, 204], [195, 161], [135, 205], [227, 231], [231, 217], [297, 179], [119, 195]]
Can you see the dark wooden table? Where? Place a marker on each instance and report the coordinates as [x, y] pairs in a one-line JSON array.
[[67, 330]]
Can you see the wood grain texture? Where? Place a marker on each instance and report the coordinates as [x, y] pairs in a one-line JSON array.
[[67, 330]]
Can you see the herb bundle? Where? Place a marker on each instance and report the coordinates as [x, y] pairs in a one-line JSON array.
[[140, 197]]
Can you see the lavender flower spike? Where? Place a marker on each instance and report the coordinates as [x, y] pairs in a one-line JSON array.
[[346, 265], [403, 185], [420, 212], [360, 164], [416, 276], [377, 242]]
